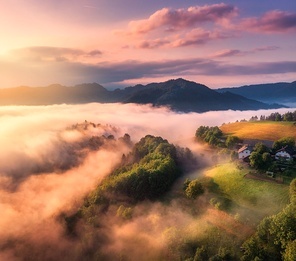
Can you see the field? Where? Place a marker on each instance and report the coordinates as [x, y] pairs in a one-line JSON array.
[[259, 197], [260, 130]]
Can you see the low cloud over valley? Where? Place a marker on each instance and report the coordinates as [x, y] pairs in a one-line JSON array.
[[47, 167]]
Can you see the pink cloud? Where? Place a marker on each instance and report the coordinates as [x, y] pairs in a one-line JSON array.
[[50, 53], [266, 48], [272, 21], [199, 36], [228, 52], [236, 52], [151, 44], [183, 18], [196, 36]]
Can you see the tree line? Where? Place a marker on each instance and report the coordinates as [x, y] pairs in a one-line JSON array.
[[215, 137], [276, 116]]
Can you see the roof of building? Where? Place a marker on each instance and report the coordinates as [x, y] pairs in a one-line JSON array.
[[287, 149], [244, 147]]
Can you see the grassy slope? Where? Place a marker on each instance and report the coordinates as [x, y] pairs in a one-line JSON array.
[[265, 130], [260, 197]]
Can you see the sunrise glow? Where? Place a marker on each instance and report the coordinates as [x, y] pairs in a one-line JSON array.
[[117, 43]]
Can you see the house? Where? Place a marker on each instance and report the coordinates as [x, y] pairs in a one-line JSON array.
[[244, 152], [285, 153]]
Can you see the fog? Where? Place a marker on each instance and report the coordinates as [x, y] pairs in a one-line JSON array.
[[47, 168]]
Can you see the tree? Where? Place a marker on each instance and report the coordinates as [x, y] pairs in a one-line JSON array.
[[278, 117], [288, 116], [211, 135], [275, 237], [286, 141], [290, 252], [124, 212], [260, 148], [231, 141], [260, 158], [200, 132], [283, 227], [194, 189], [223, 254], [262, 118], [266, 160], [186, 184], [252, 250], [256, 160]]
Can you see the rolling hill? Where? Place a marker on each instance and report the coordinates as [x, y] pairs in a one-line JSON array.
[[179, 95], [260, 130], [284, 93]]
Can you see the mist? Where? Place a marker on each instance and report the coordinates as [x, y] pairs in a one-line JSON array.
[[47, 168]]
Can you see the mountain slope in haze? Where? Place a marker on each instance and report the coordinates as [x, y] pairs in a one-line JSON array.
[[179, 95], [284, 93], [182, 95], [53, 94]]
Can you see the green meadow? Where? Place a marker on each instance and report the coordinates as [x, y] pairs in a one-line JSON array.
[[260, 197]]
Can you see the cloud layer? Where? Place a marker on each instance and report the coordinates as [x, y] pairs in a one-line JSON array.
[[39, 71], [31, 211], [186, 27], [49, 53]]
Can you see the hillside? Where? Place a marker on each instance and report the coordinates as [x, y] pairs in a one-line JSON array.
[[284, 93], [182, 95], [179, 95], [140, 195], [260, 130]]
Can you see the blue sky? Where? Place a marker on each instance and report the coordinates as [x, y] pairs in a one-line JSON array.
[[125, 42]]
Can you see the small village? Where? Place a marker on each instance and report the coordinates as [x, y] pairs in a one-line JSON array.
[[279, 164], [266, 159], [284, 154]]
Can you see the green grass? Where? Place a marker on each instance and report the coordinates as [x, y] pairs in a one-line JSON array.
[[263, 197], [261, 130]]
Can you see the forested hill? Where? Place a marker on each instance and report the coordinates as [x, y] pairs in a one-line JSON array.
[[182, 95], [179, 95], [284, 93]]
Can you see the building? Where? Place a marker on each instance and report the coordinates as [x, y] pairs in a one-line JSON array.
[[285, 153], [244, 152]]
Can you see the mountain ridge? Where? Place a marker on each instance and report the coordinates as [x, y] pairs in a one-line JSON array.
[[280, 92], [178, 94]]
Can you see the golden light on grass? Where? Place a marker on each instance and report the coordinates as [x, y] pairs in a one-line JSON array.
[[260, 130]]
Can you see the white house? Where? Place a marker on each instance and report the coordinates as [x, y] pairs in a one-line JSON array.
[[244, 152], [284, 153]]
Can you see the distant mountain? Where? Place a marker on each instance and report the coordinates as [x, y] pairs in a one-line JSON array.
[[179, 95], [53, 94], [284, 93], [182, 95]]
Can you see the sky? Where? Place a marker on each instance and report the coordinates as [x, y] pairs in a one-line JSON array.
[[121, 43]]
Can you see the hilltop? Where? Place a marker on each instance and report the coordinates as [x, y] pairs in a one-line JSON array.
[[179, 95], [282, 92]]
